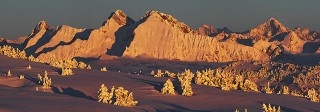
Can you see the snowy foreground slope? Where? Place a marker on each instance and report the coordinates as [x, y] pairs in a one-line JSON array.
[[78, 92]]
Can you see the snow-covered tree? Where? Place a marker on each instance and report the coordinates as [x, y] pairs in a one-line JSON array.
[[185, 79], [105, 96], [9, 73], [124, 98], [168, 88]]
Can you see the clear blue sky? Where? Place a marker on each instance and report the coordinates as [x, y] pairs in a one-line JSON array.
[[18, 17]]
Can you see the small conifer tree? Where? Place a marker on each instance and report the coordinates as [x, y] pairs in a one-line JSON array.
[[185, 79], [21, 76], [270, 108], [152, 73], [104, 69], [168, 88], [284, 90], [40, 79], [66, 71], [29, 67], [120, 96], [172, 75], [88, 67], [124, 98], [104, 96], [245, 110], [9, 73], [249, 86], [47, 82], [313, 95], [159, 74], [82, 65], [267, 89]]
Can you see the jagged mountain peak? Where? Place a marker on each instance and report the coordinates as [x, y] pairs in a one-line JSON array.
[[293, 43], [42, 25], [207, 26], [118, 17], [273, 21], [119, 12], [292, 36], [207, 30], [168, 19], [269, 28], [225, 30], [151, 12]]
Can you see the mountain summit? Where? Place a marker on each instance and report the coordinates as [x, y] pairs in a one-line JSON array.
[[207, 30], [42, 25], [119, 17], [115, 20], [168, 19], [270, 28]]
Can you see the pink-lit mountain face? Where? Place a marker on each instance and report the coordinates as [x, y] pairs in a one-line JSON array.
[[161, 36]]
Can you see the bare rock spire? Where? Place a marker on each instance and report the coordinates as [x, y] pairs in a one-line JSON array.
[[42, 25], [119, 18]]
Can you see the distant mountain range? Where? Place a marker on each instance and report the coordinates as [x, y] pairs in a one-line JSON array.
[[161, 36]]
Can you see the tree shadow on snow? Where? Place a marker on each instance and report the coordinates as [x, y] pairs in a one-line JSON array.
[[178, 108], [34, 80], [156, 85], [71, 92]]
